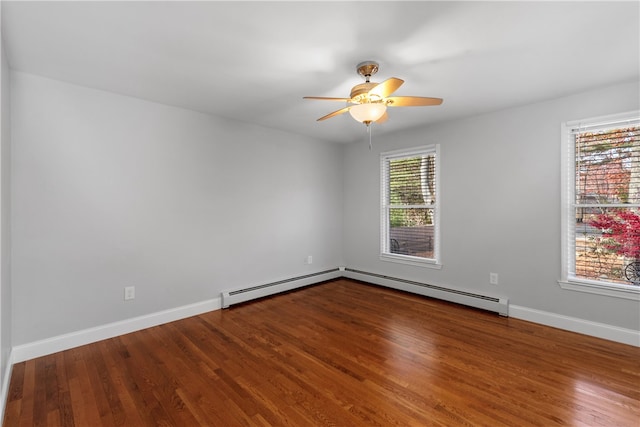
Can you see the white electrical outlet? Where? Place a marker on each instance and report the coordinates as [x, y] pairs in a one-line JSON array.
[[129, 293], [309, 259], [493, 278]]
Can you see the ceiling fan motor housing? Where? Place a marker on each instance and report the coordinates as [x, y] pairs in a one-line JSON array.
[[367, 69], [359, 92]]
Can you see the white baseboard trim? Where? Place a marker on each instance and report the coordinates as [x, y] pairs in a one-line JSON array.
[[52, 345], [573, 324], [28, 351], [251, 292], [486, 302], [6, 381]]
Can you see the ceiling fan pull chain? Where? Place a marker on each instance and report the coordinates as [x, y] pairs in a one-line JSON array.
[[369, 131]]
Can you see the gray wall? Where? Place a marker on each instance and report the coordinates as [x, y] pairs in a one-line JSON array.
[[500, 199], [110, 191], [5, 214]]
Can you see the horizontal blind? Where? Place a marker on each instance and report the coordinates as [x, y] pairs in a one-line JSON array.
[[412, 181], [630, 119], [607, 165], [409, 203]]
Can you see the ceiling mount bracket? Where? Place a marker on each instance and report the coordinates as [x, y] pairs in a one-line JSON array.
[[367, 69]]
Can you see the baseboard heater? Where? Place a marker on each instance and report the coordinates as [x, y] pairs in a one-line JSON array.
[[485, 302], [236, 296]]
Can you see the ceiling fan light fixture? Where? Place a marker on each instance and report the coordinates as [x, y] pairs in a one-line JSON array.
[[367, 113], [368, 101]]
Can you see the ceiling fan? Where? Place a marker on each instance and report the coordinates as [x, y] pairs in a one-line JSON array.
[[369, 100]]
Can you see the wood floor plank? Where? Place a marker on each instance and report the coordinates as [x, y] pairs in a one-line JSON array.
[[28, 408], [342, 353], [65, 408], [83, 396], [14, 398], [158, 387], [127, 413]]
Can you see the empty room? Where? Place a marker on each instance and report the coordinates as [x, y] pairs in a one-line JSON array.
[[296, 213]]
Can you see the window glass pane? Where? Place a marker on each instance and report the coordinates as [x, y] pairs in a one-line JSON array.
[[608, 244], [411, 232], [412, 180], [608, 166]]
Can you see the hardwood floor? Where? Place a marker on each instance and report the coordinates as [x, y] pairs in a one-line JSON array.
[[338, 354]]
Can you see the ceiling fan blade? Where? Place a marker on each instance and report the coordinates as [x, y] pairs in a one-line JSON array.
[[322, 98], [335, 113], [412, 101], [383, 119], [386, 88]]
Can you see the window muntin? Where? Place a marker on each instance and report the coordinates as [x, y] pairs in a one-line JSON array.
[[409, 219], [602, 202]]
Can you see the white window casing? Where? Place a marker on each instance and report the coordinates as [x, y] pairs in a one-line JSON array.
[[412, 241], [578, 199]]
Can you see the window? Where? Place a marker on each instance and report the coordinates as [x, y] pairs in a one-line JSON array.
[[601, 205], [409, 206]]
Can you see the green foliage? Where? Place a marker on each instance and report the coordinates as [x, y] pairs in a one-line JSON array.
[[396, 219], [405, 187]]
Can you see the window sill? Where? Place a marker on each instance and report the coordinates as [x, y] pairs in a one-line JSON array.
[[619, 291], [409, 260]]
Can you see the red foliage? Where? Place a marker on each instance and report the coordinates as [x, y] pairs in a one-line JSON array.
[[623, 230]]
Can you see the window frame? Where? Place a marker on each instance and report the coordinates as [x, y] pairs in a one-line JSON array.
[[568, 197], [385, 253]]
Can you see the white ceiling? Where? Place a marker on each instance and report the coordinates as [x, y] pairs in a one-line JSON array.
[[254, 61]]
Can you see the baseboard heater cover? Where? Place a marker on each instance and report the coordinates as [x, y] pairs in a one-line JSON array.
[[485, 302], [236, 296]]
